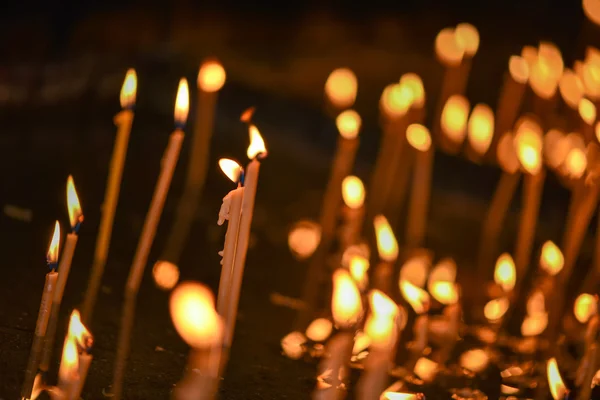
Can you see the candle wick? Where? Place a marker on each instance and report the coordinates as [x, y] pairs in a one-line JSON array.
[[75, 229], [242, 177], [52, 265]]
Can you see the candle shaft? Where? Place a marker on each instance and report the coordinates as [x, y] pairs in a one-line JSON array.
[[419, 199], [195, 176], [63, 268], [352, 226], [576, 196], [509, 105], [454, 82], [199, 381], [84, 366], [141, 256], [382, 277], [375, 377], [40, 332], [590, 283], [124, 121], [333, 369]]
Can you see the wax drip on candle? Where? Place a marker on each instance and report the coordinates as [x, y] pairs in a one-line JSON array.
[[52, 255]]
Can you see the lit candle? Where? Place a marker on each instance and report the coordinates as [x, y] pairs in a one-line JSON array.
[[353, 194], [140, 259], [231, 211], [256, 152], [387, 248], [347, 311], [419, 301], [68, 373], [123, 120], [197, 322], [43, 315], [76, 218], [453, 316], [454, 123], [84, 340], [418, 207], [340, 90], [558, 390], [211, 78], [480, 131]]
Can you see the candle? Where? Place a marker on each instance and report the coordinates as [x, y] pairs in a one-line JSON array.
[[68, 373], [43, 315], [590, 363], [419, 301], [211, 78], [76, 218], [452, 316], [340, 90], [347, 311], [348, 124], [84, 340], [387, 248], [231, 211], [558, 390], [123, 120], [454, 123], [480, 131], [136, 272], [197, 322], [544, 76], [353, 194], [256, 152], [419, 138]]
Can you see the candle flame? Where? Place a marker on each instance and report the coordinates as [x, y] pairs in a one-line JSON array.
[[454, 118], [555, 382], [591, 9], [448, 49], [193, 315], [303, 239], [418, 137], [165, 274], [380, 326], [361, 342], [319, 330], [481, 128], [505, 273], [359, 266], [555, 148], [348, 124], [468, 37], [550, 55], [415, 296], [590, 75], [382, 305], [231, 169], [587, 111], [346, 305], [414, 270], [129, 89], [396, 99], [182, 102], [495, 309], [426, 369], [534, 325], [69, 364], [414, 83], [387, 246], [293, 345], [586, 305], [399, 396], [247, 115], [542, 80], [257, 148], [475, 360], [551, 259], [82, 335], [353, 192], [571, 88], [445, 292], [211, 76], [341, 87], [75, 214], [528, 142], [518, 69], [52, 256], [444, 271]]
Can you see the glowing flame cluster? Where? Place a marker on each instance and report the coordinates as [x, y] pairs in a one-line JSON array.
[[346, 304], [348, 124], [418, 137], [448, 49], [78, 339], [546, 69], [441, 283], [585, 306], [319, 330], [396, 100], [359, 267], [415, 296], [518, 69], [481, 128], [415, 269]]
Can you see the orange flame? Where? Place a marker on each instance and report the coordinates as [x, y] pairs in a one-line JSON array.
[[551, 259], [534, 325], [587, 111], [468, 37], [415, 269], [380, 326], [129, 89], [211, 76], [481, 128], [341, 87], [528, 142], [182, 102], [82, 335], [165, 274], [530, 55], [231, 169], [505, 273], [418, 137], [346, 305], [575, 163], [495, 309], [536, 304], [557, 386], [475, 360], [348, 124], [542, 81], [359, 266], [194, 316], [590, 74], [396, 99], [444, 271], [445, 292], [399, 396], [75, 214], [387, 246], [319, 330], [52, 256], [382, 305], [414, 82], [257, 144], [571, 88], [555, 148], [415, 296], [454, 118], [69, 364], [448, 49], [518, 69], [303, 239], [426, 369], [550, 55], [293, 345], [586, 305], [353, 192]]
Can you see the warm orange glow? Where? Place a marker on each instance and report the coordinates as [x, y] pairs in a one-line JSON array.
[[454, 118], [448, 49], [495, 309], [528, 142], [353, 192], [551, 259], [468, 37], [555, 382], [257, 146], [382, 305], [597, 131], [444, 271], [387, 246], [418, 137], [399, 396], [426, 369], [52, 255], [182, 102], [481, 128], [38, 387], [415, 269], [396, 99], [75, 214], [536, 304], [346, 304], [359, 266], [518, 69], [534, 325], [551, 58], [590, 75], [348, 124], [341, 87], [475, 360], [530, 55], [129, 89], [194, 316], [231, 169], [415, 84], [587, 111], [319, 330], [211, 76], [361, 342], [445, 292], [555, 148], [546, 71], [165, 274], [415, 296], [380, 326], [507, 156], [82, 335], [293, 345], [591, 9], [571, 88], [586, 305], [303, 239], [505, 273], [247, 115], [69, 364]]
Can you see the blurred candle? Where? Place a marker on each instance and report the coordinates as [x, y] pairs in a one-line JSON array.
[[340, 89], [555, 382], [419, 301], [387, 248], [353, 194], [84, 340], [169, 161], [454, 123], [480, 130], [123, 120]]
